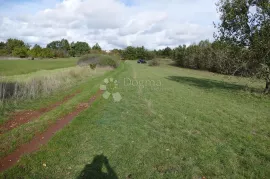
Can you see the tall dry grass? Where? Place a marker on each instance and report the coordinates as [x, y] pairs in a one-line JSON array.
[[33, 86]]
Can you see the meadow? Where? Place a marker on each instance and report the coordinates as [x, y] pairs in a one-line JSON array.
[[36, 79], [171, 123], [17, 67]]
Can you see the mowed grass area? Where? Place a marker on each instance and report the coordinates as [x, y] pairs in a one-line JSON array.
[[185, 124], [17, 67]]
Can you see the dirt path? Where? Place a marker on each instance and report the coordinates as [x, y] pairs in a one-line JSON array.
[[19, 118], [40, 139]]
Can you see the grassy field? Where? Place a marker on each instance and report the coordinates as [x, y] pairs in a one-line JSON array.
[[44, 83], [171, 123], [17, 67]]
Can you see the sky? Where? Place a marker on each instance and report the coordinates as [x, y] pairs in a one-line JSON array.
[[154, 24]]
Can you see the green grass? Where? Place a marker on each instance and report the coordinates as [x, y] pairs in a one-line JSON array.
[[39, 74], [57, 82], [186, 124], [17, 67]]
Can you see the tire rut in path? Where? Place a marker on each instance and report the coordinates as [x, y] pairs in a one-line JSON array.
[[20, 118], [40, 139]]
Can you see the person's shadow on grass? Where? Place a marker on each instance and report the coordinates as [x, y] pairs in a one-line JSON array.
[[94, 170]]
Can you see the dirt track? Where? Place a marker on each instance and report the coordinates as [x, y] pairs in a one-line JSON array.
[[19, 118], [43, 138]]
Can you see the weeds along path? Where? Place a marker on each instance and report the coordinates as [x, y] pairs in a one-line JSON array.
[[18, 141], [22, 117]]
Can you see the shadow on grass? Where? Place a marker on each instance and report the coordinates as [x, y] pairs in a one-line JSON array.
[[94, 170], [208, 84]]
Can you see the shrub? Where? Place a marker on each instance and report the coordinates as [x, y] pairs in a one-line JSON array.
[[98, 60], [135, 53], [93, 66], [3, 52], [107, 61], [47, 53], [21, 52], [154, 62]]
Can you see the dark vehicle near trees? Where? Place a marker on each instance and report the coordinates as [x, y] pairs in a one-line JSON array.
[[141, 61]]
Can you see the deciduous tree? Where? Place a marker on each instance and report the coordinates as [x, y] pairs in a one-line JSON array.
[[246, 23]]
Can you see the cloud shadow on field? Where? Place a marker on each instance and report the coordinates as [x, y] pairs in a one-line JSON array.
[[94, 170], [207, 83]]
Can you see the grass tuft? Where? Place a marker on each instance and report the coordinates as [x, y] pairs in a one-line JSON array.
[[154, 62], [99, 60]]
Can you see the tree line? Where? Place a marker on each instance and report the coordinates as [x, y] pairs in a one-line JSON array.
[[136, 53], [241, 45], [55, 49], [62, 48]]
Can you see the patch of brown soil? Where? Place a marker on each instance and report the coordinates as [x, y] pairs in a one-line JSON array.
[[19, 118], [44, 137]]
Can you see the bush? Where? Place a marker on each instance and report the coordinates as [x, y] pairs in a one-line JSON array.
[[154, 62], [3, 52], [100, 60], [60, 53], [135, 53], [93, 66], [21, 52], [105, 60], [47, 53]]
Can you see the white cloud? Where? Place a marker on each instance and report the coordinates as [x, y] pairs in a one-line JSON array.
[[112, 23], [141, 22]]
